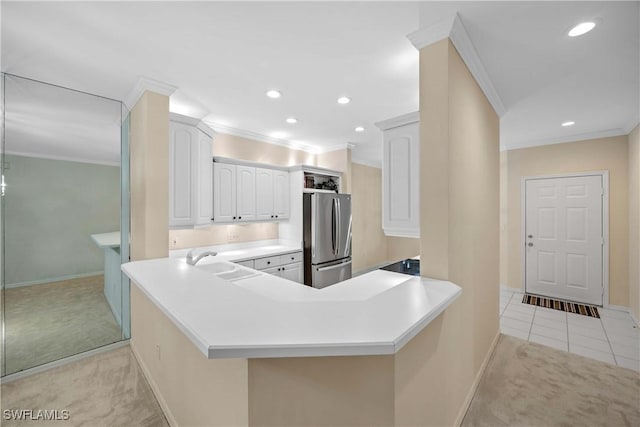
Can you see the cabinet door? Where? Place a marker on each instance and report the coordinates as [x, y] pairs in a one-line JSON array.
[[400, 176], [204, 199], [181, 158], [264, 194], [246, 193], [275, 271], [293, 272], [224, 193], [281, 190]]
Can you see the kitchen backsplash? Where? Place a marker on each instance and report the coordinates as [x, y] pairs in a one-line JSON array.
[[222, 234]]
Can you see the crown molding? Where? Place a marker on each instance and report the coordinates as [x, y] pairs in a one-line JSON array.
[[345, 146], [190, 121], [395, 122], [632, 125], [454, 29], [45, 156], [430, 34], [565, 139], [369, 163], [461, 40], [262, 138], [147, 84]]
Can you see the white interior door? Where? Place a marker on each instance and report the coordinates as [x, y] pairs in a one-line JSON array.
[[564, 238]]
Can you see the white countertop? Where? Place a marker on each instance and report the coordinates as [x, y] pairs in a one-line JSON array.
[[239, 251], [267, 316], [107, 240]]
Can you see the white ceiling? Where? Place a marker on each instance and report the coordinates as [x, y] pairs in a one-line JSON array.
[[223, 57]]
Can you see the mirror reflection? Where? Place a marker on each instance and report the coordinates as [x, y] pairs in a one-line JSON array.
[[62, 287]]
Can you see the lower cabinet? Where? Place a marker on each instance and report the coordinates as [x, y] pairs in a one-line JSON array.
[[287, 266]]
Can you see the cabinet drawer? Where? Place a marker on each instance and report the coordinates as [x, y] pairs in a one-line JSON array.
[[262, 263], [247, 263], [291, 258]]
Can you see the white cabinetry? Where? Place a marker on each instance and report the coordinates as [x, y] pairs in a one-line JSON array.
[[224, 193], [401, 176], [272, 194], [287, 266], [244, 192], [190, 169]]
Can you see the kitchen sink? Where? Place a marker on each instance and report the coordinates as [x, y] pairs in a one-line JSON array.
[[217, 267], [228, 271]]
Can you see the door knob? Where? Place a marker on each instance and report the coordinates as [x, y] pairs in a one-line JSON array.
[[530, 244]]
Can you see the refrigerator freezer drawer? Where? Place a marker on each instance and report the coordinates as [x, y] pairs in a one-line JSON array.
[[329, 273]]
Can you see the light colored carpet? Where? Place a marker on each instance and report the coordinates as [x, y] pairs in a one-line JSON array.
[[51, 321], [527, 384], [107, 389]]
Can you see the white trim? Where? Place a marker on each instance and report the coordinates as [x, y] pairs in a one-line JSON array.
[[230, 161], [395, 122], [370, 163], [262, 138], [464, 45], [605, 225], [190, 121], [147, 84], [315, 169], [432, 33], [631, 125], [569, 138], [52, 280], [61, 362], [61, 158], [476, 382], [345, 146], [400, 232], [155, 389], [454, 29]]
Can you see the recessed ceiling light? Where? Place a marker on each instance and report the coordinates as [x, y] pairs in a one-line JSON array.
[[273, 94], [565, 124], [359, 129], [581, 28], [343, 100], [292, 120]]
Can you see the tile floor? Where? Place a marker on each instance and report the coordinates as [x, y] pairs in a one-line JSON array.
[[614, 338]]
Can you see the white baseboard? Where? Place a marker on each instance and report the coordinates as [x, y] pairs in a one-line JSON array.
[[476, 381], [154, 388], [61, 362], [52, 279]]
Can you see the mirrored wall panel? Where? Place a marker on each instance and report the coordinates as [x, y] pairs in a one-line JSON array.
[[62, 288]]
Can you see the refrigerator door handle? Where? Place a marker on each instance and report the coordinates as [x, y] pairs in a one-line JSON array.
[[339, 227], [334, 266], [334, 226]]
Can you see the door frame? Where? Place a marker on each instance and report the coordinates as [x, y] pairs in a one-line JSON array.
[[605, 225]]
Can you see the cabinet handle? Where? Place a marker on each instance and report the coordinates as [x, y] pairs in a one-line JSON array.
[[212, 219], [292, 258], [239, 217], [271, 216], [268, 262], [234, 217], [276, 216]]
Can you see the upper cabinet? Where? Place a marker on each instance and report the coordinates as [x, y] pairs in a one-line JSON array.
[[190, 170], [242, 192], [401, 176]]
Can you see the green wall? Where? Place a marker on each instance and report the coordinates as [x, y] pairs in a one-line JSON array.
[[52, 207]]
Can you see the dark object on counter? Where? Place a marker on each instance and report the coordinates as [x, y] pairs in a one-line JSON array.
[[407, 266]]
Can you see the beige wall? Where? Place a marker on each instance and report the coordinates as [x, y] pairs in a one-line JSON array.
[[338, 160], [236, 147], [191, 389], [459, 176], [591, 155], [504, 218], [634, 222], [399, 248], [369, 241], [149, 150]]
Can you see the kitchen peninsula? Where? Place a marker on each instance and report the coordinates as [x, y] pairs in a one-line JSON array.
[[246, 352]]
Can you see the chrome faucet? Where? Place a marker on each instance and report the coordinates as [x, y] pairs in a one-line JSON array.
[[194, 261]]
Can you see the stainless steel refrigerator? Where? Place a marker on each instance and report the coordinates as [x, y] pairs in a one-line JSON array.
[[327, 238]]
